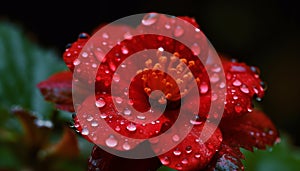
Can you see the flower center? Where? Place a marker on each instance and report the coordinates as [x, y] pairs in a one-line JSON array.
[[171, 75]]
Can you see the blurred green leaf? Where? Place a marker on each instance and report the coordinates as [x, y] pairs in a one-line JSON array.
[[283, 156], [23, 65]]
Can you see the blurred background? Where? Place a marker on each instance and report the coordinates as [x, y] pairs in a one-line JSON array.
[[261, 33]]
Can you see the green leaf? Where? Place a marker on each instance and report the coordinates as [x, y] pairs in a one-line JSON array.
[[23, 65], [283, 156]]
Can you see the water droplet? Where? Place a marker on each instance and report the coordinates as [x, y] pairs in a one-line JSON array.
[[175, 138], [118, 100], [103, 115], [177, 152], [83, 36], [203, 88], [85, 131], [123, 65], [141, 117], [161, 49], [117, 128], [127, 35], [116, 78], [178, 167], [127, 112], [235, 97], [126, 146], [271, 132], [89, 118], [165, 161], [195, 48], [105, 35], [238, 108], [235, 68], [222, 85], [258, 99], [214, 97], [197, 155], [94, 124], [111, 141], [85, 54], [264, 85], [244, 89], [124, 50], [149, 19], [167, 26], [178, 31], [214, 78], [100, 102], [193, 122], [184, 161], [76, 62], [237, 83], [188, 149], [131, 127], [251, 133]]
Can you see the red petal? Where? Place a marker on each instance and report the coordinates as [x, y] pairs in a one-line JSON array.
[[227, 158], [58, 89], [243, 83], [190, 20], [100, 160], [190, 153], [253, 129]]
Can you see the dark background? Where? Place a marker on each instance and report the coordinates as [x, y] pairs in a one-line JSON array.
[[263, 33]]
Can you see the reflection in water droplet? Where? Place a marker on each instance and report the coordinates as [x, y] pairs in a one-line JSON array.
[[85, 131], [94, 124], [126, 146], [176, 152], [131, 127], [165, 161], [89, 118], [149, 19], [237, 83], [197, 155], [178, 31], [100, 102], [127, 112], [188, 149], [175, 138], [195, 48], [111, 141]]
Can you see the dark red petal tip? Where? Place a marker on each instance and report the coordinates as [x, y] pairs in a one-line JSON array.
[[58, 89], [253, 129]]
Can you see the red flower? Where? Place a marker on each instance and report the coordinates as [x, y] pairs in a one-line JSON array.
[[240, 125]]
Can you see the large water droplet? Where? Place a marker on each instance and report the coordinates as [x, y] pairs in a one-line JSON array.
[[149, 19], [111, 141], [165, 161], [188, 149], [184, 161], [195, 48], [131, 127], [203, 88], [76, 62], [127, 112], [94, 124], [237, 83], [124, 50], [100, 102], [175, 138], [244, 89], [178, 31], [126, 146], [85, 131], [89, 118], [177, 152]]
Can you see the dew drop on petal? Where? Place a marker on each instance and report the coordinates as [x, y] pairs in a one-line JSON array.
[[197, 155], [127, 112], [124, 50], [188, 149], [193, 122], [131, 127], [119, 100], [149, 19], [76, 62], [103, 115], [116, 78], [178, 167], [127, 35], [238, 108], [175, 138], [184, 161], [244, 89], [117, 128], [100, 102], [111, 141], [126, 146], [85, 131], [167, 26], [195, 48], [85, 54], [105, 35], [177, 152], [141, 117], [89, 118], [222, 85], [237, 83], [94, 124], [165, 161], [203, 88], [178, 31]]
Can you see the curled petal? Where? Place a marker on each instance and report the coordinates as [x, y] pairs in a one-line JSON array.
[[253, 129], [58, 89]]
